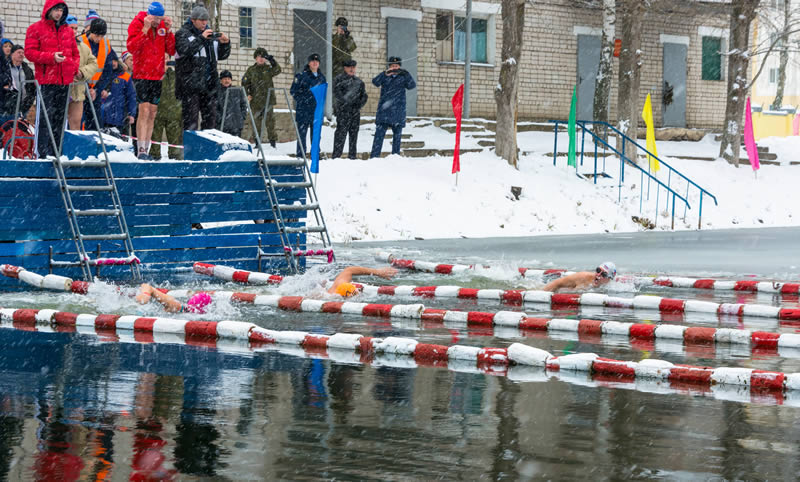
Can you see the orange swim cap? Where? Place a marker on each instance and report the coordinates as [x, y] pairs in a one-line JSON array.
[[346, 290]]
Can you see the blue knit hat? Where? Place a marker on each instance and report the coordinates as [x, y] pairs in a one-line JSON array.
[[90, 16], [156, 9], [72, 20], [3, 41]]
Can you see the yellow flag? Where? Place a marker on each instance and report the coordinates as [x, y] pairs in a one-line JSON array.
[[647, 114]]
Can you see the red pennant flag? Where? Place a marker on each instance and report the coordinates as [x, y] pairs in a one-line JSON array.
[[458, 101]]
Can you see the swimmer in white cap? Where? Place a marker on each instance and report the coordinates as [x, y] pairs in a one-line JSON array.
[[584, 279]]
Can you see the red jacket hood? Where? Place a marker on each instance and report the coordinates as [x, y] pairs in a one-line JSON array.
[[49, 4]]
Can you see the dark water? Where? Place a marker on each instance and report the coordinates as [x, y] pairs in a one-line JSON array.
[[75, 406]]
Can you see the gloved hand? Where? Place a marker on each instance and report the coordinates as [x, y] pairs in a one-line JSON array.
[[271, 59]]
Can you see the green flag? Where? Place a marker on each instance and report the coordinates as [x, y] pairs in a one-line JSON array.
[[571, 128]]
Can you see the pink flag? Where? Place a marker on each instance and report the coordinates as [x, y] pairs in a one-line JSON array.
[[749, 139], [458, 100]]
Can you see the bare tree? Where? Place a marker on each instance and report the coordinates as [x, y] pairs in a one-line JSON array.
[[630, 16], [602, 87], [506, 93], [742, 14], [784, 55]]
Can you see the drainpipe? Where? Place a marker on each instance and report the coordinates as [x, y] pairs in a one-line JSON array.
[[467, 61], [329, 61]]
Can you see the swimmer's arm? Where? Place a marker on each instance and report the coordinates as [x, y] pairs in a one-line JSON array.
[[347, 274], [557, 284], [171, 305]]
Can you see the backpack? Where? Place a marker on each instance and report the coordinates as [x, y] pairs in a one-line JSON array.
[[23, 139]]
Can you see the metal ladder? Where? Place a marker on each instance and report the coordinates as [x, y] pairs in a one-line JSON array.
[[312, 201], [68, 187]]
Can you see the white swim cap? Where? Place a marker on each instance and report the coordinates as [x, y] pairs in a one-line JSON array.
[[609, 268]]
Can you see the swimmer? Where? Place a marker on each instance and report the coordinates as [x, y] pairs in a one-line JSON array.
[[196, 304], [342, 285], [584, 279]]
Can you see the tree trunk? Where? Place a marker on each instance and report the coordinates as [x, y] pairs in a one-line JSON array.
[[630, 18], [506, 92], [602, 87], [784, 57], [742, 14]]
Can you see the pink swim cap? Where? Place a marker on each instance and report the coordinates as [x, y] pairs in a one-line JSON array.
[[198, 302]]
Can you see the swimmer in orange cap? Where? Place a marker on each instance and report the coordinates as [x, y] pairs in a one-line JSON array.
[[584, 279], [342, 285]]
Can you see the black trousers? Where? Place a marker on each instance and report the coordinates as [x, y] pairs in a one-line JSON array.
[[55, 99], [204, 103], [347, 124]]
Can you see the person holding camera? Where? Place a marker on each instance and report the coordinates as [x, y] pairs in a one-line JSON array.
[[257, 81], [343, 46], [391, 105], [198, 50]]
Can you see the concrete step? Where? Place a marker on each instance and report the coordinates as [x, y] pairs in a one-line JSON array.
[[451, 128], [412, 144], [434, 152], [389, 136], [539, 127]]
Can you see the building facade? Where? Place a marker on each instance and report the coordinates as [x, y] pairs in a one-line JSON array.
[[682, 49]]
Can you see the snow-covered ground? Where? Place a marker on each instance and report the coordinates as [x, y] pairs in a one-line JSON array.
[[405, 198]]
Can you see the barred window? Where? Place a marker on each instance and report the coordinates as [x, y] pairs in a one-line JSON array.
[[246, 27]]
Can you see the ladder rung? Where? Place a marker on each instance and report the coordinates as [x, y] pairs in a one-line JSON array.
[[285, 162], [83, 163], [100, 237], [90, 188], [298, 207], [291, 184], [306, 229], [96, 212]]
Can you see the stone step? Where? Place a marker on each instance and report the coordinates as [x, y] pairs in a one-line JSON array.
[[412, 144], [451, 128], [434, 152]]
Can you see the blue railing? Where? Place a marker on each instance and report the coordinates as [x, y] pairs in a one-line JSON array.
[[624, 160]]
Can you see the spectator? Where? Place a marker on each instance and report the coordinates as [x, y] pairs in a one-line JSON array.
[[235, 111], [91, 15], [257, 81], [119, 107], [19, 73], [196, 80], [149, 40], [127, 61], [49, 44], [391, 105], [349, 96], [87, 67], [100, 80], [5, 83], [343, 47], [7, 44], [304, 102], [169, 116]]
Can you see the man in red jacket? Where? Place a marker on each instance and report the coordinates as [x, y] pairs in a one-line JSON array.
[[149, 38], [50, 45]]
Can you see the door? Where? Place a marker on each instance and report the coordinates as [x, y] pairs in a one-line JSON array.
[[401, 41], [309, 38], [588, 65], [673, 95]]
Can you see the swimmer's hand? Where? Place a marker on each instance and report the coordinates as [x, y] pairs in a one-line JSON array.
[[145, 293], [387, 273]]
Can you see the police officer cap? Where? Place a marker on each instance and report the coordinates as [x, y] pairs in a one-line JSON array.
[[225, 73], [395, 60], [313, 57], [349, 63]]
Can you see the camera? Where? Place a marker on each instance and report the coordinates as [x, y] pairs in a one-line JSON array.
[[216, 35]]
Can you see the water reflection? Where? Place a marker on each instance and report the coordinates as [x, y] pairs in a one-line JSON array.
[[73, 408]]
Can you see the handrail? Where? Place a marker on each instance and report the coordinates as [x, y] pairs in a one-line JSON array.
[[628, 139]]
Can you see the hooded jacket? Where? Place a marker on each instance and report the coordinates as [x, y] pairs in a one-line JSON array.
[[46, 37], [148, 49], [196, 61], [122, 99]]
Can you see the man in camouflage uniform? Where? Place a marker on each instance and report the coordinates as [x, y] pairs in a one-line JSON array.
[[343, 46], [168, 117], [257, 81]]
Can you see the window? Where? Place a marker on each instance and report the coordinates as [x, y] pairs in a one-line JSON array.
[[451, 38], [773, 76], [246, 27], [712, 58]]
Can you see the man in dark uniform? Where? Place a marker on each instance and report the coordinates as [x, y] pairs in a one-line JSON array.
[[349, 96]]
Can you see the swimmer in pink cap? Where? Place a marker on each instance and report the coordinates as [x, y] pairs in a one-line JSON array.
[[196, 304], [583, 280]]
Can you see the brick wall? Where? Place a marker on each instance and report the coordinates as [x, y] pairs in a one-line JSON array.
[[548, 64]]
